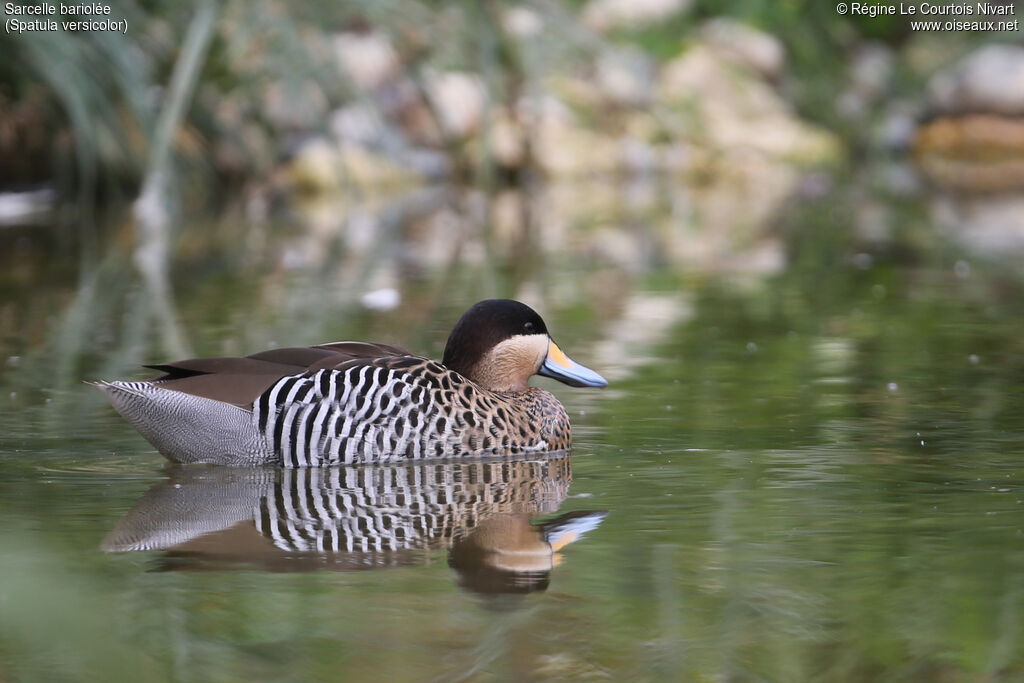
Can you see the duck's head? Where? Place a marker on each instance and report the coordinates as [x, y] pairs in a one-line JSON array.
[[500, 344]]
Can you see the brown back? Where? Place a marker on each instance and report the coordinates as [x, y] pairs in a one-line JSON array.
[[240, 381]]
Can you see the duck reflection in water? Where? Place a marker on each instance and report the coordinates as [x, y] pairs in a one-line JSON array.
[[363, 517]]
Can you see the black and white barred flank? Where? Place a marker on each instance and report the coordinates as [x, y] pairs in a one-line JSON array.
[[363, 414], [374, 413]]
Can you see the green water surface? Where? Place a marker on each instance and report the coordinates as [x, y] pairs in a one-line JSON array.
[[811, 471]]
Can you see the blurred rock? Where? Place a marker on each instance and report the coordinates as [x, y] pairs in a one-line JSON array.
[[562, 146], [459, 99], [978, 152], [723, 104], [316, 167], [523, 22], [989, 80], [608, 15], [760, 51], [975, 141], [320, 166], [625, 76], [568, 150], [703, 107], [367, 58]]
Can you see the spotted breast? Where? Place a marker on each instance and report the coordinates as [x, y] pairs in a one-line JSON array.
[[354, 402]]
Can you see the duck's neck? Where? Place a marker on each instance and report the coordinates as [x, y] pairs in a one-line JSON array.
[[495, 377], [505, 367]]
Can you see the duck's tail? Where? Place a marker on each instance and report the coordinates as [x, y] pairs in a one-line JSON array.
[[187, 428]]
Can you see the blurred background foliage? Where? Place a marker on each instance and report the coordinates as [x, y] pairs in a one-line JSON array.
[[209, 130], [372, 93]]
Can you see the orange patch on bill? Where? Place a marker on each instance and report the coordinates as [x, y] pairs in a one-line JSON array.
[[555, 354]]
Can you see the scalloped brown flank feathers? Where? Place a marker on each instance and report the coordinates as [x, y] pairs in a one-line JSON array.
[[357, 402]]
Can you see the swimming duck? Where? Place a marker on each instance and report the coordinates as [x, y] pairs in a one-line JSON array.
[[356, 402]]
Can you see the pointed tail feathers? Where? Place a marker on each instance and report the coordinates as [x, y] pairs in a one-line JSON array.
[[186, 428]]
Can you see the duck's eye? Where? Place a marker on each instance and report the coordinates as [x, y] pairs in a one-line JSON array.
[[528, 327]]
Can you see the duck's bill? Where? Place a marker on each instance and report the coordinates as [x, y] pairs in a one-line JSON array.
[[559, 366]]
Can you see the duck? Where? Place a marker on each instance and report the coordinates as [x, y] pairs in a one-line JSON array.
[[349, 402]]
